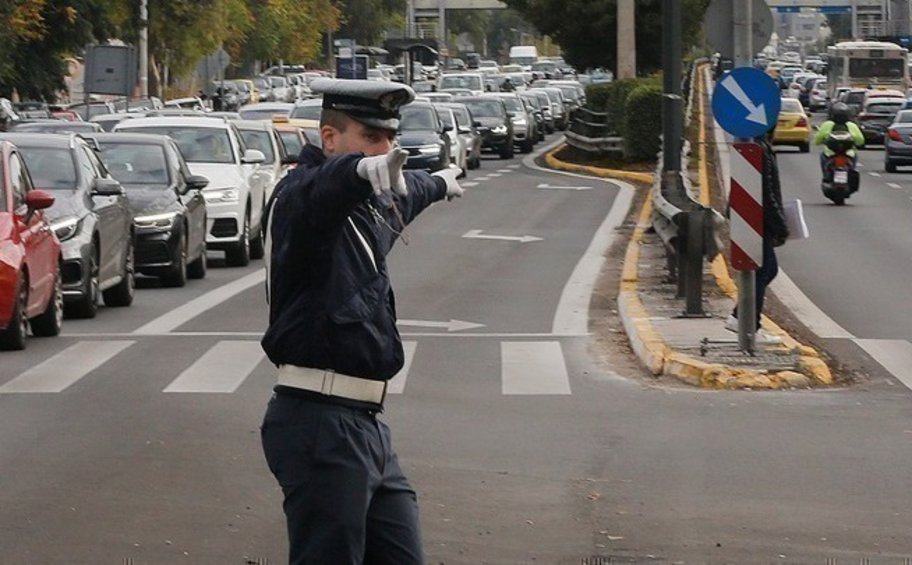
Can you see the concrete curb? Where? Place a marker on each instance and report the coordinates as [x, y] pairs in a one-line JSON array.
[[648, 343]]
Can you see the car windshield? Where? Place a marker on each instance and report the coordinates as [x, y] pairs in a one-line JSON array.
[[791, 106], [462, 116], [569, 92], [292, 142], [51, 168], [261, 113], [485, 108], [512, 104], [136, 164], [470, 82], [307, 112], [198, 145], [884, 107], [446, 117], [259, 140], [417, 118], [854, 97]]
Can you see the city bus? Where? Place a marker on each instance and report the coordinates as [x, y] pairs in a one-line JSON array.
[[867, 64]]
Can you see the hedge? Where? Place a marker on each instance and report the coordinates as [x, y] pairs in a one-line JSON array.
[[643, 123]]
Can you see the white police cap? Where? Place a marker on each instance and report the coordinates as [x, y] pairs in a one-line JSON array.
[[371, 102]]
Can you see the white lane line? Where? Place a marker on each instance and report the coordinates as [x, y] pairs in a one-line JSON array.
[[874, 174], [481, 178], [894, 185], [894, 354], [396, 385], [197, 306], [504, 171], [495, 175], [468, 184], [533, 367], [62, 370], [805, 310], [221, 369]]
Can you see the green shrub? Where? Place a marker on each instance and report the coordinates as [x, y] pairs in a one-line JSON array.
[[643, 122]]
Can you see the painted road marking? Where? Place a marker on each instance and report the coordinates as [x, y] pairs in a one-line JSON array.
[[894, 355], [805, 310], [197, 306], [222, 369], [450, 326], [894, 185], [396, 385], [504, 171], [476, 234], [62, 370], [468, 184], [495, 175], [874, 174], [533, 367]]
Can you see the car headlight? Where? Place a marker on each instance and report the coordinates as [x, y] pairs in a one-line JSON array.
[[217, 195], [66, 228], [429, 149], [499, 129], [163, 220]]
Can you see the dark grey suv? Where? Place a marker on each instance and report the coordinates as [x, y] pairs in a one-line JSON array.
[[91, 217]]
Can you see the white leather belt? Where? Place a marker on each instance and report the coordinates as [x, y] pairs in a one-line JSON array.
[[332, 383]]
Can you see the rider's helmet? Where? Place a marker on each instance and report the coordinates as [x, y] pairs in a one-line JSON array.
[[839, 113]]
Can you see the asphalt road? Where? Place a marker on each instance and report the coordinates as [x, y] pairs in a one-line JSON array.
[[134, 437]]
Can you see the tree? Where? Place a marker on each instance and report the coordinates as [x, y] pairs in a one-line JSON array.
[[585, 29], [288, 29], [366, 20]]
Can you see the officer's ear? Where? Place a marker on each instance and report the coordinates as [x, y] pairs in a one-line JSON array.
[[329, 137]]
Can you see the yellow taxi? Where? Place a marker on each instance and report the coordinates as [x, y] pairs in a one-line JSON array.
[[793, 126]]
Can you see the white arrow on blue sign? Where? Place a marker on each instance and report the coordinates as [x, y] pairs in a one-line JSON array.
[[746, 102]]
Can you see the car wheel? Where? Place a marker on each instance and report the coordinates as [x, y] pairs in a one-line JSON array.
[[889, 166], [197, 269], [49, 322], [177, 277], [238, 255], [87, 306], [527, 146], [122, 293], [805, 147], [13, 337], [258, 245], [507, 151]]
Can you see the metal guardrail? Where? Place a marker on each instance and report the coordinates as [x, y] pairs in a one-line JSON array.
[[687, 229], [591, 132]]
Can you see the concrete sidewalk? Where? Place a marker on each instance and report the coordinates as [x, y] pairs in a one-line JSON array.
[[698, 351]]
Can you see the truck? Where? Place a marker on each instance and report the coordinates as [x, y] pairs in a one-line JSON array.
[[523, 55]]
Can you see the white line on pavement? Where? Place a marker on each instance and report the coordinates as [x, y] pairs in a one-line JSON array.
[[894, 185], [62, 370], [810, 315], [504, 171], [530, 367], [197, 306], [468, 184], [894, 354], [495, 175], [396, 385], [874, 174], [221, 369]]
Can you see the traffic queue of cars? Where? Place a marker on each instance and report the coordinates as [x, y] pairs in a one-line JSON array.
[[81, 214]]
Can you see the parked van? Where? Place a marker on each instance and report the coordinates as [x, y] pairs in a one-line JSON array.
[[523, 55]]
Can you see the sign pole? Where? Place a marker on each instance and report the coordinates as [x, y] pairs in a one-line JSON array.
[[747, 287]]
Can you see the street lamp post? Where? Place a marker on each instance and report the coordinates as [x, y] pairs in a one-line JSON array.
[[143, 49]]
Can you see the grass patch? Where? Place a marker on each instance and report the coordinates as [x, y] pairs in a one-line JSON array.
[[576, 156]]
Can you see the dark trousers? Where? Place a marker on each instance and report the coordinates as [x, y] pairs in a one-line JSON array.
[[764, 276], [347, 501]]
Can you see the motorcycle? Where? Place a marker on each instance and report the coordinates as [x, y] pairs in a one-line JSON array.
[[841, 179]]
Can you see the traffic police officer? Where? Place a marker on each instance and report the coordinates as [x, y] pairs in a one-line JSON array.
[[332, 330]]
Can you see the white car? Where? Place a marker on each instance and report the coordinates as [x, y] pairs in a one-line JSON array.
[[262, 136], [458, 150], [213, 149]]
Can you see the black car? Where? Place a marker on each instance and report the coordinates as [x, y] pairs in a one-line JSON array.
[[169, 210], [492, 122], [424, 136], [91, 217], [876, 117]]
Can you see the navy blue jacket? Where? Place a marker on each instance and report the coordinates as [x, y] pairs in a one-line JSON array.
[[331, 304]]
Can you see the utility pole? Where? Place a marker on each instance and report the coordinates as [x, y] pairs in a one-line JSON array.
[[747, 281], [672, 103], [143, 49], [626, 39]]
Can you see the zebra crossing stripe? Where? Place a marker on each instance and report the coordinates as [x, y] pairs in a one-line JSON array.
[[222, 369], [533, 367], [62, 370], [396, 385]]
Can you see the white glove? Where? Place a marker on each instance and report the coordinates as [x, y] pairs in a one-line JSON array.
[[449, 175], [385, 171]]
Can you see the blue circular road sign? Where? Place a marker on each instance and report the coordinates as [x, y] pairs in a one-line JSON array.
[[746, 102]]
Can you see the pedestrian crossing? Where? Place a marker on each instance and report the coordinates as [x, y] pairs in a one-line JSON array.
[[526, 368]]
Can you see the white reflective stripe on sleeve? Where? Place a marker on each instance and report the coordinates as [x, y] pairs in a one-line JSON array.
[[367, 247], [269, 249]]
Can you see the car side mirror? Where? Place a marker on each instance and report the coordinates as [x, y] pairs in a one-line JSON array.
[[289, 159], [253, 157], [39, 200], [196, 182], [107, 187]]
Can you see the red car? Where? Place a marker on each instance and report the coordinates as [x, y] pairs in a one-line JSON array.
[[31, 294]]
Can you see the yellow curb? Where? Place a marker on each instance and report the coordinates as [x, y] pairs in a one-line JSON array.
[[556, 163]]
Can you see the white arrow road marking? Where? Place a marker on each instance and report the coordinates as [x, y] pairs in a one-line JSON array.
[[476, 234], [451, 326], [546, 186], [756, 114]]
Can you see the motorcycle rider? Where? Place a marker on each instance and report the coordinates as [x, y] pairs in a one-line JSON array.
[[839, 121]]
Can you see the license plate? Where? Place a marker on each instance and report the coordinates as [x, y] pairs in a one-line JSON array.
[[841, 177]]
